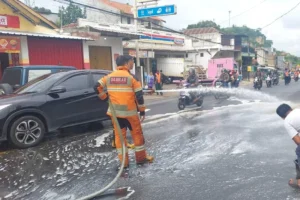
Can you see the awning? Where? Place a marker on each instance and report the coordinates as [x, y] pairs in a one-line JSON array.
[[117, 31], [17, 33]]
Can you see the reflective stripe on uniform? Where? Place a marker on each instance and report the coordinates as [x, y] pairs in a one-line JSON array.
[[121, 113], [138, 89], [141, 106], [139, 148], [101, 83], [120, 150], [119, 89]]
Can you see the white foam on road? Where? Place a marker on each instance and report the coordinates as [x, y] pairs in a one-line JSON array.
[[101, 139]]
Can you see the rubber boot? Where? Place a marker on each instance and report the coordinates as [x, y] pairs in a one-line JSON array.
[[148, 159]]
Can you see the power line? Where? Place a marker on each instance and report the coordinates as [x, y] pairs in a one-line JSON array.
[[282, 15], [242, 12]]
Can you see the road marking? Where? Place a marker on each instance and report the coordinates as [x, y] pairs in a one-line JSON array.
[[147, 110]]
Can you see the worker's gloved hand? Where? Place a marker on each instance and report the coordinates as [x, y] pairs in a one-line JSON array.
[[106, 99], [142, 115]]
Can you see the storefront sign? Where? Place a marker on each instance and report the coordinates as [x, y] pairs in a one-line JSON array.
[[142, 54], [9, 21], [3, 21], [164, 39], [10, 44]]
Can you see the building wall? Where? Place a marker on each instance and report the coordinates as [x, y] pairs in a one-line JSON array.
[[281, 62], [86, 55], [101, 17], [224, 54], [202, 57], [24, 54], [114, 43], [25, 25], [214, 37], [261, 56]]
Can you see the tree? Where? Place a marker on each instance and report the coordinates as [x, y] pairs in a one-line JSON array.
[[42, 10], [204, 24], [71, 14]]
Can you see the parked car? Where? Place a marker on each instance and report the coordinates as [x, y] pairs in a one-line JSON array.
[[48, 103], [15, 77]]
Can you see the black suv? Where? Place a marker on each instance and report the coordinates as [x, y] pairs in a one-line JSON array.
[[48, 103]]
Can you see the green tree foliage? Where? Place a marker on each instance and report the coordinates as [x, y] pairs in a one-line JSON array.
[[42, 10], [71, 14], [203, 24]]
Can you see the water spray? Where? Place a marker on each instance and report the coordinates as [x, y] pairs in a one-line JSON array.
[[209, 91]]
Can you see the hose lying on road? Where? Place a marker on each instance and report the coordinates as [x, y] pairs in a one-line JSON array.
[[115, 120]]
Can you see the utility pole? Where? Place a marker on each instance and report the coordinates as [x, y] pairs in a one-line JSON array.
[[229, 17], [135, 7]]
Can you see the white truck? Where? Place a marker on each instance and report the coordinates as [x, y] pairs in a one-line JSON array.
[[173, 67]]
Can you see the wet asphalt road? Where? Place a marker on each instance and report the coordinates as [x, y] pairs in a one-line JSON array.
[[228, 149]]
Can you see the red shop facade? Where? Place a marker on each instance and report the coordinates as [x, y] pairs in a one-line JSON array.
[[50, 51]]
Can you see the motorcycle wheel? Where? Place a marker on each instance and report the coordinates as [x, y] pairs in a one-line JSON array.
[[199, 103], [181, 105]]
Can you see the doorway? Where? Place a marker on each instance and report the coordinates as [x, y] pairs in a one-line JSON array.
[[100, 57], [4, 62]]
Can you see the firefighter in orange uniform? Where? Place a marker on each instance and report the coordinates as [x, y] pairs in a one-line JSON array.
[[126, 95]]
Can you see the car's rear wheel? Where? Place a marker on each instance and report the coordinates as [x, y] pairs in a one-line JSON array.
[[26, 131], [6, 89]]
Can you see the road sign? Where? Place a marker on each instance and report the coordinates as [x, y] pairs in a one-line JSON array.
[[157, 11]]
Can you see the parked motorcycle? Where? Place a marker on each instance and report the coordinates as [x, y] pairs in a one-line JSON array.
[[257, 83], [219, 84], [268, 82], [186, 99]]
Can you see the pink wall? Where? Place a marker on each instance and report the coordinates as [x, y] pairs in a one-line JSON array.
[[224, 63]]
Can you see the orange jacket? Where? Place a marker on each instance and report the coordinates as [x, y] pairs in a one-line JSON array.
[[124, 91], [158, 77]]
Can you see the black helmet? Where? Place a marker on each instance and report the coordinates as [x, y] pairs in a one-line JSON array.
[[192, 71]]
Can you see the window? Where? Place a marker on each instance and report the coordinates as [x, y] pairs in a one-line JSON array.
[[78, 82], [12, 77], [128, 20], [201, 54], [219, 65], [35, 73], [96, 77]]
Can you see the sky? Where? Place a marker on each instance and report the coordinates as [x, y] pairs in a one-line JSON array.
[[285, 32]]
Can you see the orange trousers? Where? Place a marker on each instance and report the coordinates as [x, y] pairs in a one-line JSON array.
[[134, 125]]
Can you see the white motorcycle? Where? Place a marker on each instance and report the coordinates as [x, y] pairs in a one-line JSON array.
[[186, 99]]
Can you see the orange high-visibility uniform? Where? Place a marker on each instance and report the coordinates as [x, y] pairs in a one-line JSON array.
[[126, 95]]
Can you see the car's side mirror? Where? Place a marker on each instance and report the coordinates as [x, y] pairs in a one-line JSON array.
[[57, 90]]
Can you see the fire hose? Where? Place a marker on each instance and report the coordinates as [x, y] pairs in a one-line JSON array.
[[109, 185]]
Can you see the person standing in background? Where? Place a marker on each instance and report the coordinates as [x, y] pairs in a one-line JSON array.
[[158, 81], [150, 81]]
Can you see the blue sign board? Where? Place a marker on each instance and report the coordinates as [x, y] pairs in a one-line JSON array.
[[157, 11]]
